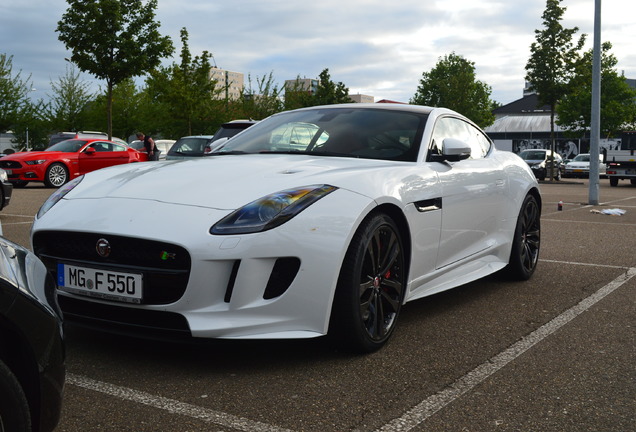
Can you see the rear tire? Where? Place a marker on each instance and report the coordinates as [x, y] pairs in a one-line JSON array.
[[14, 409], [370, 287], [613, 181], [524, 254]]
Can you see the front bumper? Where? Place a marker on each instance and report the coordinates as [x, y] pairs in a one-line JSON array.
[[275, 284]]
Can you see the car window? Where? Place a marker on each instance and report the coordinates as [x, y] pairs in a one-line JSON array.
[[68, 146], [363, 133], [101, 146], [451, 127], [193, 146]]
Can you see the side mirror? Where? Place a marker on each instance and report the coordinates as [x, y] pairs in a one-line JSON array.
[[454, 150], [90, 151]]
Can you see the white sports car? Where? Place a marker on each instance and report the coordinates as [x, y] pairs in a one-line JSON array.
[[314, 221]]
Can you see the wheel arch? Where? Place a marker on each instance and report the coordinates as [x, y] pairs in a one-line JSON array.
[[395, 213]]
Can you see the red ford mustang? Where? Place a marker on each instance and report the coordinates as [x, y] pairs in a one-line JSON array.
[[66, 160]]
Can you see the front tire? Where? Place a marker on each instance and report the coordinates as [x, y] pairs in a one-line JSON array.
[[56, 175], [14, 409], [526, 243], [370, 287]]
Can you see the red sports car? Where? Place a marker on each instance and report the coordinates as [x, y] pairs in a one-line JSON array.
[[66, 160]]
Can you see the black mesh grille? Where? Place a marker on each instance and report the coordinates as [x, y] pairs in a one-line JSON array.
[[165, 267], [118, 319], [10, 164]]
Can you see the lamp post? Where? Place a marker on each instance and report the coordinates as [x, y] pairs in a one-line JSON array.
[[595, 130]]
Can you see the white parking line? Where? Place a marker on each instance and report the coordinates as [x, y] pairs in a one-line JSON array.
[[436, 402], [412, 418], [172, 406]]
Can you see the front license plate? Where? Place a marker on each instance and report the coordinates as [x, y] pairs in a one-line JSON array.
[[104, 284]]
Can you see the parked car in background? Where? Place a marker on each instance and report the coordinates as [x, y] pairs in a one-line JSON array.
[[6, 189], [227, 131], [163, 145], [330, 230], [580, 166], [32, 358], [63, 136], [189, 147], [540, 161], [66, 160]]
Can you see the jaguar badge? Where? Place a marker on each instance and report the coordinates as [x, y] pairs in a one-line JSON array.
[[103, 248]]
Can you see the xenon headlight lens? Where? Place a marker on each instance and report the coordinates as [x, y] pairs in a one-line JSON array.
[[58, 195], [270, 211], [35, 162]]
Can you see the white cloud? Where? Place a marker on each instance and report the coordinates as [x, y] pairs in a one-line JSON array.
[[375, 47]]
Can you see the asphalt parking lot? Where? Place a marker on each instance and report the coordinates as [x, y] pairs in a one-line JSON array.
[[556, 353]]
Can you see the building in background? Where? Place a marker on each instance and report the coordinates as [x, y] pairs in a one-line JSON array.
[[360, 98], [231, 83]]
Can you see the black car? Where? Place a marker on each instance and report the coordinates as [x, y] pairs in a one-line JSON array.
[[540, 162], [32, 355], [6, 190]]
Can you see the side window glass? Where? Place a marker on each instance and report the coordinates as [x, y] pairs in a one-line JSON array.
[[117, 148]]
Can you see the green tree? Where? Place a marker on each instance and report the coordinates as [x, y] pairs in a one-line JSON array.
[[618, 99], [263, 101], [126, 110], [66, 109], [330, 92], [327, 92], [552, 59], [186, 93], [13, 94], [452, 84], [113, 40]]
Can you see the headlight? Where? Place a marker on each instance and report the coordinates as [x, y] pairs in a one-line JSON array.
[[3, 175], [35, 162], [58, 195], [270, 211]]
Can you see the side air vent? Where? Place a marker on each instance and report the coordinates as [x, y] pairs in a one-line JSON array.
[[283, 274]]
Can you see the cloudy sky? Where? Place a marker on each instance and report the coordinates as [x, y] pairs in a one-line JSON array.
[[375, 47]]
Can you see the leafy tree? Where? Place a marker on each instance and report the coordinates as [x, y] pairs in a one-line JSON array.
[[261, 102], [618, 99], [113, 40], [452, 84], [186, 93], [13, 94], [126, 110], [66, 109], [327, 93], [552, 59]]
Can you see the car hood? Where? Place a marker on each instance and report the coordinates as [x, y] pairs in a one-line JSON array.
[[229, 182], [30, 155]]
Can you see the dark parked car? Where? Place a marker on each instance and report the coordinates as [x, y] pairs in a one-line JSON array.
[[540, 160], [227, 131], [32, 368]]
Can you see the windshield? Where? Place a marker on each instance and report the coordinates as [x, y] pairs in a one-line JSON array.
[[582, 158], [68, 146], [533, 155], [351, 132]]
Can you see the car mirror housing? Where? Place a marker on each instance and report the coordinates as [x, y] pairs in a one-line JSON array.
[[453, 150]]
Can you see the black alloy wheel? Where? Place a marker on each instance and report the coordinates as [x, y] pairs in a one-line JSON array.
[[524, 255], [371, 286]]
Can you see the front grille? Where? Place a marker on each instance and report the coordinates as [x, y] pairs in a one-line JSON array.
[[165, 267], [10, 164]]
